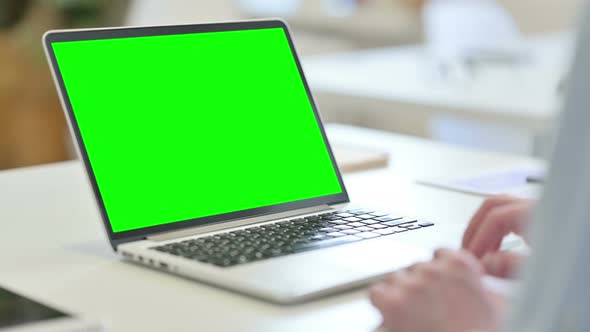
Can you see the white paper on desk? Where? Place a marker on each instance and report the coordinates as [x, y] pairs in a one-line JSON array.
[[511, 181]]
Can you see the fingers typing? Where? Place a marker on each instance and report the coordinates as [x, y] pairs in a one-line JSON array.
[[488, 205], [496, 225]]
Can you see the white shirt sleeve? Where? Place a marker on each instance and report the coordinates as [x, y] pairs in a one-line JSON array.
[[555, 294]]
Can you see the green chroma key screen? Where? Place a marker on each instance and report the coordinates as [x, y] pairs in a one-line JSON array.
[[179, 127]]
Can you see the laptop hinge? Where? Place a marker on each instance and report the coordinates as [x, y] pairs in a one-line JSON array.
[[236, 223]]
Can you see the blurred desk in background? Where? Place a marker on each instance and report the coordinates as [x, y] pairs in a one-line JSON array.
[[402, 89]]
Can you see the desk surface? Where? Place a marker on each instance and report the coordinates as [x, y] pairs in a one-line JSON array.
[[54, 249], [398, 78]]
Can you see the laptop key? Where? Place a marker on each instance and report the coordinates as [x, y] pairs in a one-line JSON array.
[[387, 218], [339, 222], [370, 221], [384, 231], [367, 235], [408, 225], [401, 221], [398, 229], [274, 252], [364, 229], [342, 227], [412, 227], [426, 224], [355, 224], [352, 219], [335, 234], [408, 220]]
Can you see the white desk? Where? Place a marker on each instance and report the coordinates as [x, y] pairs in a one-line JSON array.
[[53, 247], [381, 88]]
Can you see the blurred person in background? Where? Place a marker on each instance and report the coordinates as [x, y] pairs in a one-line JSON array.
[[32, 127]]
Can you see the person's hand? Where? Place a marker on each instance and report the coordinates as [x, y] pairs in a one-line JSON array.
[[443, 295], [497, 217]]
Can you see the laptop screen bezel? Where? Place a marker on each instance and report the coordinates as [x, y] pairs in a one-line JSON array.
[[117, 238]]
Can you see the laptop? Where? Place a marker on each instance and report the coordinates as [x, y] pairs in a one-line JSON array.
[[208, 159]]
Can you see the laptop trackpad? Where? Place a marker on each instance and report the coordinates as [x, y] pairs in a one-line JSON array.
[[314, 271]]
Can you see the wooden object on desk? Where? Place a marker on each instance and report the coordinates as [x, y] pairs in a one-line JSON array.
[[353, 158]]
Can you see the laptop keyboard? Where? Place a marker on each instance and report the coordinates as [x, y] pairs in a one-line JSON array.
[[291, 236]]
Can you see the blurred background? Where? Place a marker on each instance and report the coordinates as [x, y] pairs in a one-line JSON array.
[[481, 73]]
